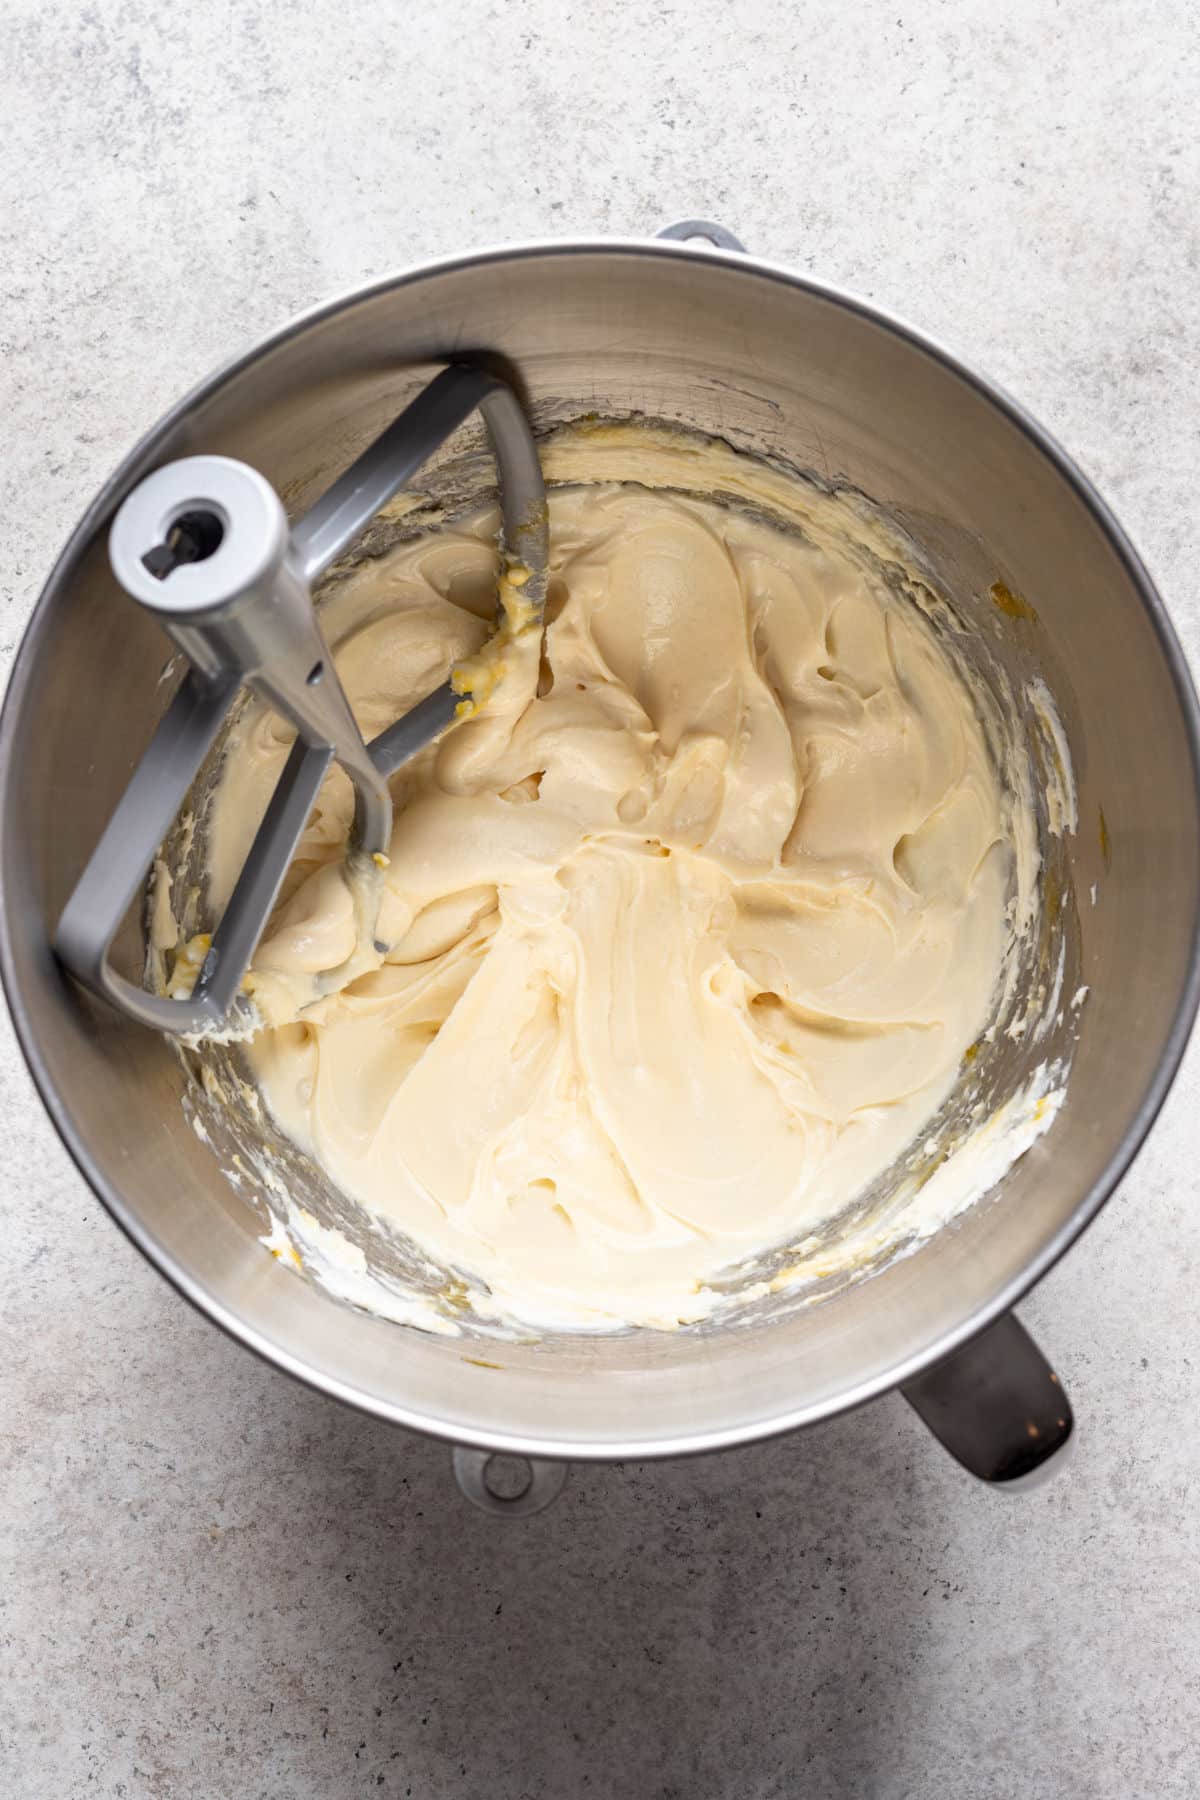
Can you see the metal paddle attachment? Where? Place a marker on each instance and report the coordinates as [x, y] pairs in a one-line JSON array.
[[205, 545]]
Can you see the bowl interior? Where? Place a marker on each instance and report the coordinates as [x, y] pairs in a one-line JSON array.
[[781, 369]]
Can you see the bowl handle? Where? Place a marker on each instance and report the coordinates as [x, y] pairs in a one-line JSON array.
[[997, 1406]]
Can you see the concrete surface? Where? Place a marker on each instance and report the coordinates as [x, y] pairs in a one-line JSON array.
[[216, 1584]]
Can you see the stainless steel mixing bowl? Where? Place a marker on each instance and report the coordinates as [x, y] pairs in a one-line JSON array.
[[776, 364]]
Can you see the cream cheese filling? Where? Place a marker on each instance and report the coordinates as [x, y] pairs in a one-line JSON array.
[[684, 936]]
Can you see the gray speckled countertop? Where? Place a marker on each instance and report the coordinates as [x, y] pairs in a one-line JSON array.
[[218, 1584]]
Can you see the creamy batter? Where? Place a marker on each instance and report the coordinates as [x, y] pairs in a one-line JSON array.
[[684, 939]]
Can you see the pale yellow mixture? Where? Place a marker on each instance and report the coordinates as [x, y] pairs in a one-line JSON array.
[[678, 954]]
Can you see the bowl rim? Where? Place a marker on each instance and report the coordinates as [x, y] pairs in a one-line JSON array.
[[693, 1441]]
